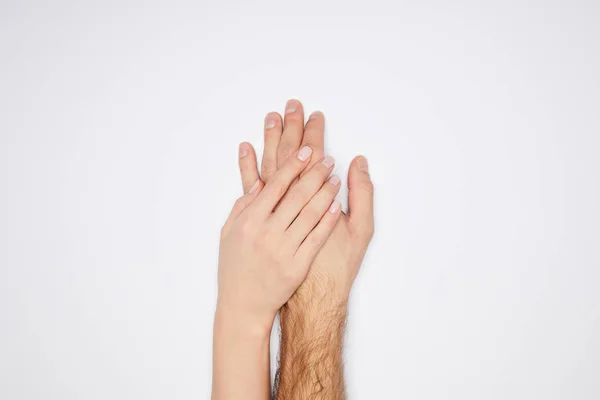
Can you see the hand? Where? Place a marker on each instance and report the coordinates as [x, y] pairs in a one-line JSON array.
[[336, 265], [312, 321], [265, 252]]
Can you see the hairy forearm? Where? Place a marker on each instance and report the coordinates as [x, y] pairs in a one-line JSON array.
[[310, 360], [240, 358]]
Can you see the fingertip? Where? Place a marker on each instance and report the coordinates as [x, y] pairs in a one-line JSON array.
[[358, 173], [272, 120], [316, 115], [292, 106], [244, 149], [361, 164], [335, 207], [255, 187], [360, 191]]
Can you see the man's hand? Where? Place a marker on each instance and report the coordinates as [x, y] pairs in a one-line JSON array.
[[267, 245], [312, 320], [336, 265]]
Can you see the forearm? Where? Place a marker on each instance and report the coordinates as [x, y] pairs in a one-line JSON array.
[[240, 358], [311, 350]]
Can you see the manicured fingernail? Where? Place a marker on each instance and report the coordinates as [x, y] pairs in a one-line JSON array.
[[270, 121], [304, 153], [328, 161], [363, 164], [315, 114], [334, 180], [291, 106], [243, 150], [334, 207], [254, 187]]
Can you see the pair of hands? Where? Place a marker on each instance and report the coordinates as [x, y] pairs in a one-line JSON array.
[[287, 239]]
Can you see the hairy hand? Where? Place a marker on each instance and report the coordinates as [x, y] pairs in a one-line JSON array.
[[270, 240]]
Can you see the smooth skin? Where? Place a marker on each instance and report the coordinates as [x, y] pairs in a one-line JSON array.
[[268, 243], [326, 289]]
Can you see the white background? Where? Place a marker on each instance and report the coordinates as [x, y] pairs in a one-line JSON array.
[[118, 164]]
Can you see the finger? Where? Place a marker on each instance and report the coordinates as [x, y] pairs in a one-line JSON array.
[[242, 204], [248, 168], [273, 128], [293, 128], [312, 213], [308, 250], [314, 136], [360, 197], [281, 181], [301, 194]]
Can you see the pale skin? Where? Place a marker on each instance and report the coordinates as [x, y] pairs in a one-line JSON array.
[[313, 302]]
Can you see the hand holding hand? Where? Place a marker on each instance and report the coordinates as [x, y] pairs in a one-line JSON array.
[[312, 320], [336, 265]]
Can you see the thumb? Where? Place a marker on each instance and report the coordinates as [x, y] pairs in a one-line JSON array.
[[360, 197]]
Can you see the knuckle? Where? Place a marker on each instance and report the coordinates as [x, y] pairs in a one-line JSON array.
[[311, 214], [286, 150], [239, 203], [315, 241], [279, 189], [304, 190], [311, 183], [262, 240], [246, 229], [368, 187], [268, 166], [366, 231]]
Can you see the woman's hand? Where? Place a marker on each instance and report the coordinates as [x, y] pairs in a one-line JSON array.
[[270, 240]]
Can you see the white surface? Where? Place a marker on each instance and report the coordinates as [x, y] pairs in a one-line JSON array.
[[119, 129]]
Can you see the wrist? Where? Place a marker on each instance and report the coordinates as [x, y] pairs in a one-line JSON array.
[[313, 319], [318, 294], [242, 324]]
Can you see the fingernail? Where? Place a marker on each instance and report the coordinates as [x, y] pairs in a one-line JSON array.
[[315, 114], [243, 150], [363, 164], [334, 207], [270, 121], [328, 161], [304, 153], [334, 180], [254, 187], [291, 106]]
